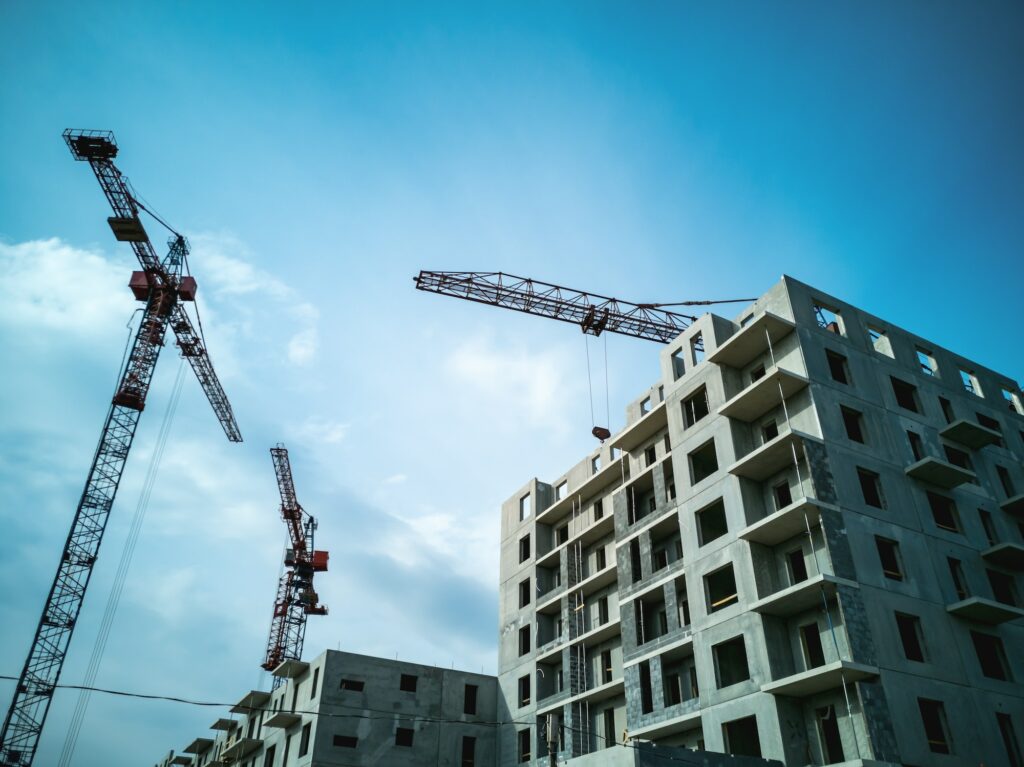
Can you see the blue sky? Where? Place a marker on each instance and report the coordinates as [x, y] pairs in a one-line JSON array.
[[319, 155]]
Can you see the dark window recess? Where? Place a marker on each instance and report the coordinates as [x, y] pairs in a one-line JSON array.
[[947, 410], [635, 565], [600, 559], [703, 462], [993, 424], [524, 548], [468, 751], [1002, 587], [769, 431], [659, 560], [469, 699], [944, 512], [889, 556], [646, 696], [916, 445], [524, 593], [609, 727], [695, 407], [906, 394], [1006, 481], [678, 367], [673, 690], [741, 738], [956, 573], [316, 681], [720, 587], [523, 738], [1013, 753], [757, 373], [346, 741], [911, 636], [730, 662], [871, 488], [854, 423], [561, 535], [407, 683], [269, 755], [606, 666], [353, 685], [814, 653], [602, 610], [650, 456], [838, 366], [524, 640], [711, 522], [991, 656], [828, 730], [958, 457], [304, 739], [783, 495], [524, 691], [936, 728], [403, 736], [797, 566], [988, 525]]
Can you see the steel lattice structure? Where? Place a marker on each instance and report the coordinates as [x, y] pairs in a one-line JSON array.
[[592, 312], [296, 599], [163, 288]]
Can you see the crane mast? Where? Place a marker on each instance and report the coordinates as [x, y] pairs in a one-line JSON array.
[[162, 287], [296, 599]]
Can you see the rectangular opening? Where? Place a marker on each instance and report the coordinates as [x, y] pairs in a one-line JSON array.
[[602, 610], [838, 366], [1003, 589], [695, 407], [757, 373], [810, 638], [958, 457], [828, 318], [524, 548], [871, 487], [927, 363], [944, 512], [916, 445], [1006, 481], [1012, 401], [678, 364], [468, 751], [741, 738], [600, 559], [889, 556], [711, 522], [524, 690], [524, 640], [316, 681], [408, 683], [906, 394], [991, 656], [911, 636], [730, 662], [523, 739], [991, 423], [697, 349], [880, 340], [682, 602], [796, 564], [561, 490], [720, 589], [650, 456], [346, 741], [828, 732], [769, 431], [673, 690], [469, 699], [988, 525], [936, 728], [646, 694], [635, 560], [352, 685], [524, 507], [598, 509], [645, 406], [609, 727], [853, 420], [595, 464], [562, 534], [703, 462], [947, 410], [970, 382], [782, 494], [1010, 742], [304, 739], [524, 593], [606, 666], [956, 573]]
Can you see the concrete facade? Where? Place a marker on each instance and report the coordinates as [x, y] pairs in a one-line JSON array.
[[806, 544], [349, 709]]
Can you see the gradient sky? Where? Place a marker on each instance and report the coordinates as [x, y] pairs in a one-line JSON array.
[[318, 156]]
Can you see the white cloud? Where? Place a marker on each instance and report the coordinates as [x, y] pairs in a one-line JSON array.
[[395, 479], [317, 430]]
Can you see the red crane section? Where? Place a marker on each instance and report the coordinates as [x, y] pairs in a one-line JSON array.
[[296, 599]]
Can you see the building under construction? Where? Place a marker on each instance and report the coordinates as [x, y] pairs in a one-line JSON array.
[[803, 547]]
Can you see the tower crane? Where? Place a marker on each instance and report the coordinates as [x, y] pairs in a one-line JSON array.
[[296, 599], [593, 313], [164, 289]]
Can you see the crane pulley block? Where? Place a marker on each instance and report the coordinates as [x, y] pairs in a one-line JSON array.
[[141, 282]]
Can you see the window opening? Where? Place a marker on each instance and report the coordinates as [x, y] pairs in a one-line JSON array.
[[889, 556], [769, 431], [602, 610], [598, 510], [595, 464], [524, 507], [916, 445], [1002, 587], [880, 341], [645, 406], [970, 382], [828, 731], [927, 363], [609, 728], [720, 588], [697, 349], [695, 407], [561, 490], [468, 751], [828, 318], [956, 572], [524, 593], [703, 462], [797, 566], [911, 636], [650, 456], [408, 683], [906, 395], [646, 694], [634, 560], [741, 738], [1013, 403], [403, 736], [304, 739], [711, 522], [1006, 481], [346, 741], [600, 559], [944, 512], [524, 640], [783, 495], [871, 488], [678, 366], [524, 746], [730, 662], [562, 534], [1009, 740], [991, 656], [853, 420], [316, 680], [524, 690], [936, 728], [814, 653], [757, 373], [988, 526], [469, 699], [947, 410], [838, 366], [354, 685], [606, 666], [524, 548]]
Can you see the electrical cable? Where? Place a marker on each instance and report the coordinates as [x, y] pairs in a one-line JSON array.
[[706, 303], [590, 384], [120, 578]]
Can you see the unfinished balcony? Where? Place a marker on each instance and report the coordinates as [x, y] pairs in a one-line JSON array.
[[752, 340], [984, 610], [181, 759], [291, 669], [655, 420], [787, 522], [224, 725], [809, 594], [940, 473], [830, 676], [671, 725], [970, 434], [251, 703], [198, 746], [282, 719], [772, 457], [240, 749], [595, 694], [1014, 505], [1009, 556], [574, 497], [764, 395]]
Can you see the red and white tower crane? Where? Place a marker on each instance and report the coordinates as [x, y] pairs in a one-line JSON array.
[[296, 598], [164, 289]]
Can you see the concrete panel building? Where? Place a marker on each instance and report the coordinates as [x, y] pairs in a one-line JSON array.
[[344, 708], [806, 544]]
